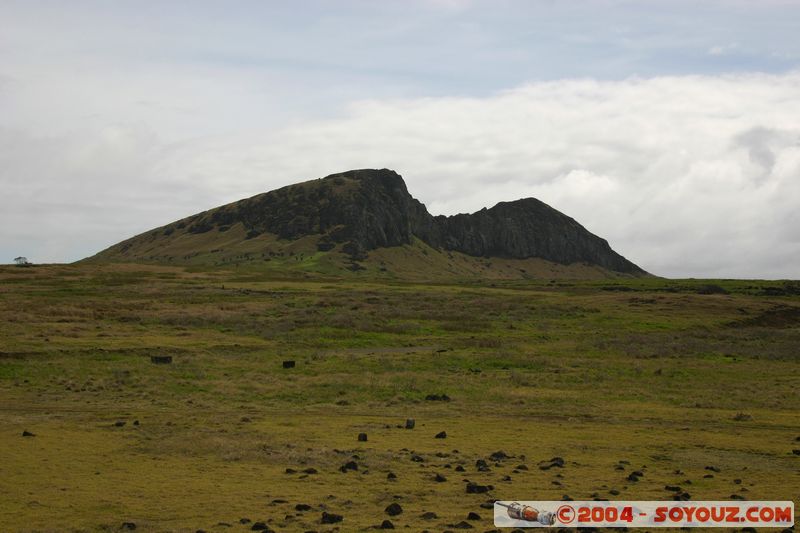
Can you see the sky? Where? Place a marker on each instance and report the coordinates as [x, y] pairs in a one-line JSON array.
[[670, 128]]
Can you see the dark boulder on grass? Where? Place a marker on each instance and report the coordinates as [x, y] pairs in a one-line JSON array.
[[331, 518], [474, 488], [393, 509]]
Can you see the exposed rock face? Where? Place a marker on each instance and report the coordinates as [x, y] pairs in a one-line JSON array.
[[368, 209]]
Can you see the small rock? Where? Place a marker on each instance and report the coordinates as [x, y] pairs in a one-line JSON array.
[[430, 515], [498, 456], [310, 471], [473, 516], [350, 465], [244, 520], [441, 435], [135, 422], [391, 476], [331, 518], [437, 398], [393, 509], [459, 468], [362, 437], [119, 423], [128, 525], [302, 507], [386, 524], [28, 434], [161, 359], [474, 488], [410, 423], [552, 463], [439, 478], [288, 364], [462, 525], [714, 469], [260, 526], [417, 458]]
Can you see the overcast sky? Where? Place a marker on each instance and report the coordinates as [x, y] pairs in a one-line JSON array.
[[670, 128]]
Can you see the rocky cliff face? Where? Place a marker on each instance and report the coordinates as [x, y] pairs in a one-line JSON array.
[[369, 209]]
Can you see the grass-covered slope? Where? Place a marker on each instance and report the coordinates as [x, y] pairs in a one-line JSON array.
[[665, 377]]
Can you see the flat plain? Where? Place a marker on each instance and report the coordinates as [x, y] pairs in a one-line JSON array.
[[545, 389]]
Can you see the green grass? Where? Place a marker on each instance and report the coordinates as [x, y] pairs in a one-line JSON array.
[[647, 370]]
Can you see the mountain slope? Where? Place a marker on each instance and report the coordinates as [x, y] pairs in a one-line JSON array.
[[348, 220]]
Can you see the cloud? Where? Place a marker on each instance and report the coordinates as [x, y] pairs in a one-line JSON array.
[[684, 175]]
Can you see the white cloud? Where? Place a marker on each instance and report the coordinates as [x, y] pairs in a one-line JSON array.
[[686, 176]]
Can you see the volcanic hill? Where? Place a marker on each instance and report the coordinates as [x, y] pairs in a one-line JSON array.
[[366, 221]]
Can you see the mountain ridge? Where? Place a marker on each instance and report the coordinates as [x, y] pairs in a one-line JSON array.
[[359, 211]]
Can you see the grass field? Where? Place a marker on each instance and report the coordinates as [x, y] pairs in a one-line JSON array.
[[693, 382]]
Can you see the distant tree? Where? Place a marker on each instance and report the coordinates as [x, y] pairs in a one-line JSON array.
[[21, 261]]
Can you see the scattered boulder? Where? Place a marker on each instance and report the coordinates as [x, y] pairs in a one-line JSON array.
[[349, 465], [481, 465], [498, 456], [461, 525], [288, 364], [555, 462], [362, 437], [260, 526], [429, 515], [302, 507], [439, 478], [714, 469], [417, 458], [441, 435], [473, 516], [410, 423], [474, 488], [119, 423], [27, 433], [161, 359], [459, 468], [634, 476], [244, 520], [331, 518], [128, 525], [386, 524], [391, 476], [437, 398], [393, 509], [310, 471]]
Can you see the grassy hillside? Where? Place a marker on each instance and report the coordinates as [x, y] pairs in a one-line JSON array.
[[301, 258], [666, 377]]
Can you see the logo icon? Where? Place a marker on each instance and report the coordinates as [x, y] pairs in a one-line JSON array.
[[565, 514]]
